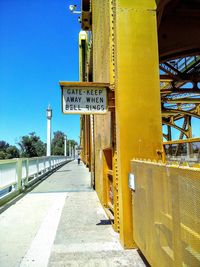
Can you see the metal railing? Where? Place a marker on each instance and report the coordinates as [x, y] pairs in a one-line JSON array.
[[18, 174], [187, 150]]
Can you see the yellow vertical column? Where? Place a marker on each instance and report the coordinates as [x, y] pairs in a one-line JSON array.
[[138, 112], [83, 44]]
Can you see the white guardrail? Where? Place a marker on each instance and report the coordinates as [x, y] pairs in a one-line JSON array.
[[18, 174]]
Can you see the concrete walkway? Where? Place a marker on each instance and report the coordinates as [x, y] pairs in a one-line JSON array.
[[61, 223]]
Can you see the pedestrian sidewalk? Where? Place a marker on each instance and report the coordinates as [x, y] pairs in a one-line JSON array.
[[61, 223]]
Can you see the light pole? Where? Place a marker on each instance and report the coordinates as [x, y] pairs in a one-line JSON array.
[[65, 145], [49, 116], [75, 151], [69, 149]]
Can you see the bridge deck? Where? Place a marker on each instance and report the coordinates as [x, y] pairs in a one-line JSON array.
[[61, 223]]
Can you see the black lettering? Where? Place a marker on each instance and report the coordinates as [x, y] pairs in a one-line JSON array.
[[74, 92]]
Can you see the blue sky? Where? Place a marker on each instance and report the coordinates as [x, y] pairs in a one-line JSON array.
[[38, 48]]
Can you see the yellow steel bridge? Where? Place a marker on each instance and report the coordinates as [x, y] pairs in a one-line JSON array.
[[147, 53]]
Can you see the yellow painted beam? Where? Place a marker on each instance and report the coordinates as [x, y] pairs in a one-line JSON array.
[[83, 84], [83, 44], [183, 101], [138, 111], [183, 141]]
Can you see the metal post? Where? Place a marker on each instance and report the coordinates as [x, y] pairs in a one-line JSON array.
[[69, 149], [189, 145], [49, 116], [19, 174], [72, 154], [65, 145], [74, 151], [27, 172]]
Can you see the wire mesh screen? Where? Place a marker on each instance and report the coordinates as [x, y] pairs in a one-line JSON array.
[[166, 208]]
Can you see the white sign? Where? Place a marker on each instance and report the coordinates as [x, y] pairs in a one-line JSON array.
[[85, 100], [131, 181]]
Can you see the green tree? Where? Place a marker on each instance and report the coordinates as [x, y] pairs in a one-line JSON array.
[[32, 146], [12, 152], [7, 151], [2, 154], [57, 145], [3, 145]]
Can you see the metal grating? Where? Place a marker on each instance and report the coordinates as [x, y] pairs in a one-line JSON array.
[[166, 206]]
